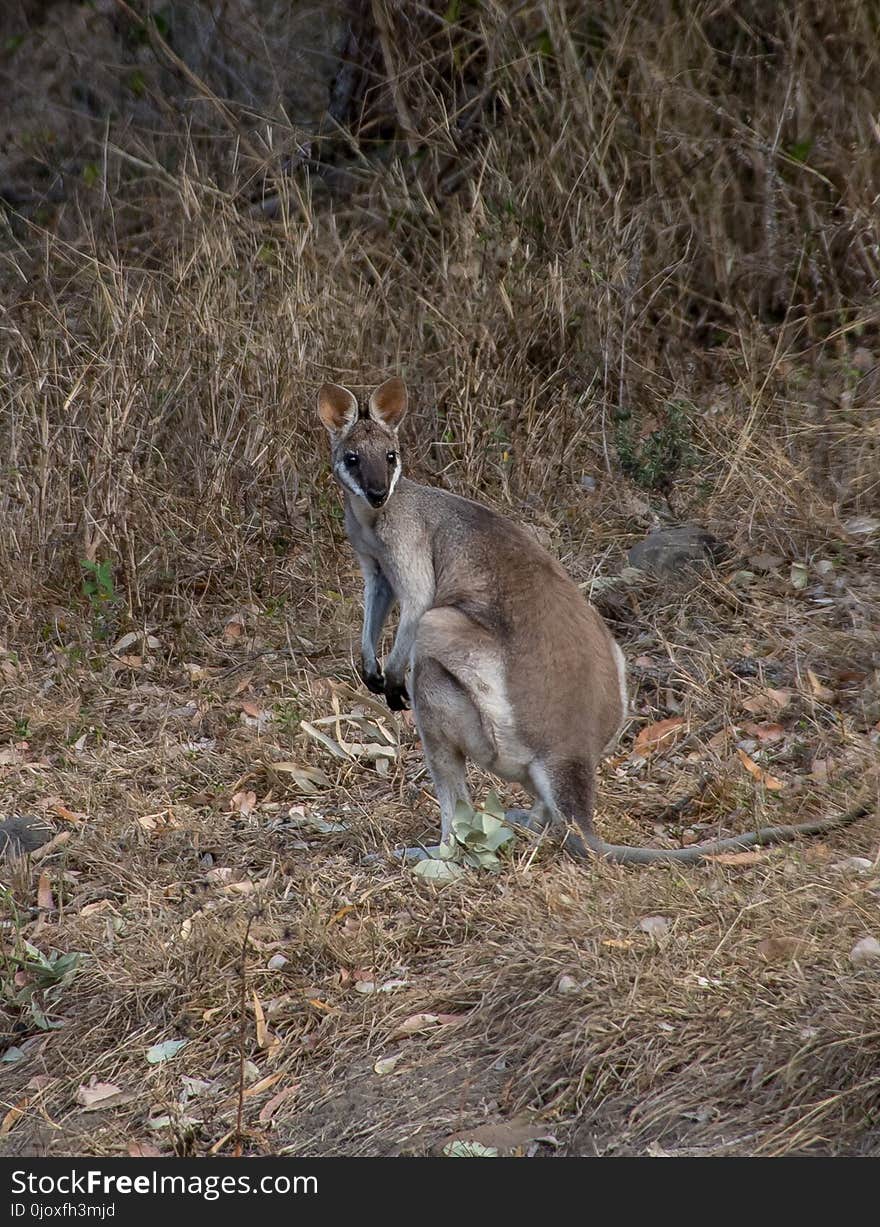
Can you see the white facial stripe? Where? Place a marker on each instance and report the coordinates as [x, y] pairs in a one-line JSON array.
[[397, 471], [346, 477]]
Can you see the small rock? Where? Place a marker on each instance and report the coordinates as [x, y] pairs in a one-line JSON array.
[[855, 864], [865, 951], [671, 551], [587, 483], [23, 833], [276, 962], [655, 926], [566, 985]]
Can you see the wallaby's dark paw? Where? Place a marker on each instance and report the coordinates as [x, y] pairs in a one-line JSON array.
[[396, 695], [374, 682]]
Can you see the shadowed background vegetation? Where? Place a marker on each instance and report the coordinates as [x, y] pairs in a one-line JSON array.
[[627, 257]]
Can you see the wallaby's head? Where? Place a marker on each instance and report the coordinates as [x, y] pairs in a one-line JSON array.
[[364, 441]]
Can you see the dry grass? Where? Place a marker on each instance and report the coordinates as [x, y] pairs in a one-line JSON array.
[[667, 207]]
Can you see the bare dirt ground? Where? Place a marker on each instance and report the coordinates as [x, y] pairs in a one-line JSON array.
[[630, 308]]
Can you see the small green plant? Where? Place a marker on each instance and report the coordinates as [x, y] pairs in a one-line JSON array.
[[655, 461], [21, 729], [287, 717], [98, 586], [477, 837], [32, 981]]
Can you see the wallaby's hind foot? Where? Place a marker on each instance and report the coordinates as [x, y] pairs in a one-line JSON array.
[[535, 819]]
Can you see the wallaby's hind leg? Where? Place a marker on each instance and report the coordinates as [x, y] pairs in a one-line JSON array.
[[566, 791], [442, 709]]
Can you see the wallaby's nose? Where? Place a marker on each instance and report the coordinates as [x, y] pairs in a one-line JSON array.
[[376, 497]]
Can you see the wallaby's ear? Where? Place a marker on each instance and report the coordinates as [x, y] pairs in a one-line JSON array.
[[337, 407], [388, 402]]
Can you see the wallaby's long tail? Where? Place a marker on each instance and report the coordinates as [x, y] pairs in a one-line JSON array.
[[625, 854]]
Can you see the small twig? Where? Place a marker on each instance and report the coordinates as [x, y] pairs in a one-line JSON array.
[[242, 1027]]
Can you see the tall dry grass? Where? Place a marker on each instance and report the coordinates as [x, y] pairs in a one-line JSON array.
[[561, 221]]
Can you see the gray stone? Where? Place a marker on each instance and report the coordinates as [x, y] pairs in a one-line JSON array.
[[672, 551]]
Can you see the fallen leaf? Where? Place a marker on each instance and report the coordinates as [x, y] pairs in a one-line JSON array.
[[264, 1084], [469, 1150], [385, 1065], [100, 1095], [67, 815], [818, 690], [45, 902], [438, 870], [12, 1116], [660, 735], [498, 1137], [618, 943], [766, 733], [307, 779], [268, 1110], [233, 629], [243, 802], [738, 858], [779, 949], [143, 1150], [799, 575], [265, 1038], [762, 776], [164, 1051], [425, 1022]]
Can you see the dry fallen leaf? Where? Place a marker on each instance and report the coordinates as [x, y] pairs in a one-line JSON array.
[[738, 858], [762, 776], [779, 949], [61, 811], [243, 802], [143, 1150], [12, 1116], [425, 1022], [505, 1137], [268, 1110], [100, 1095], [660, 735], [766, 733], [45, 902], [264, 1084], [819, 691]]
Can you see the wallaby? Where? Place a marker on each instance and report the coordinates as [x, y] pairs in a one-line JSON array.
[[509, 665]]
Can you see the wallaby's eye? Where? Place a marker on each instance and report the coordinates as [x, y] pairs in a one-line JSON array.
[[391, 457], [351, 459]]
